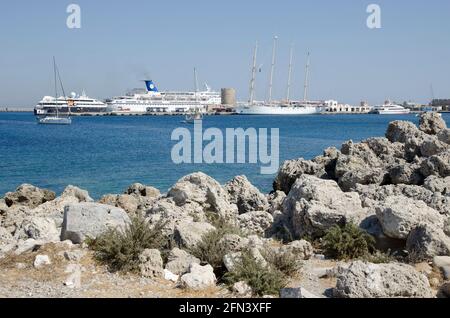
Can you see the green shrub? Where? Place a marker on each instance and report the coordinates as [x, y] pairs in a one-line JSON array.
[[285, 262], [120, 249], [347, 242], [263, 280], [209, 251], [379, 257]]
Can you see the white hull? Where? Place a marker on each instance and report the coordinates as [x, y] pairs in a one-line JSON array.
[[393, 112], [278, 110], [55, 121]]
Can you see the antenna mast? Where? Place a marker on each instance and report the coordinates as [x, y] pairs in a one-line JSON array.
[[305, 92], [288, 93], [196, 83], [252, 82], [272, 69]]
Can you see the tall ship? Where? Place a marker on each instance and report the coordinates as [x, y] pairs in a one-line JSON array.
[[390, 109], [286, 107], [73, 104], [154, 101]]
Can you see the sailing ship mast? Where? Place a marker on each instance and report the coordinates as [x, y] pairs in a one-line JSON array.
[[272, 69], [288, 92], [305, 92], [56, 86], [253, 80]]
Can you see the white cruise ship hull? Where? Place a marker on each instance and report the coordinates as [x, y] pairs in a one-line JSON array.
[[278, 110], [393, 112]]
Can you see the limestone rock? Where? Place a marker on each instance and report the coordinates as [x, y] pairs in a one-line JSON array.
[[436, 184], [398, 215], [314, 205], [438, 165], [432, 123], [233, 243], [84, 220], [245, 195], [257, 222], [151, 263], [302, 249], [143, 191], [178, 261], [40, 228], [427, 241], [276, 200], [367, 280], [443, 263], [241, 289], [41, 261], [444, 136], [188, 234], [29, 196], [206, 192], [199, 277], [400, 131]]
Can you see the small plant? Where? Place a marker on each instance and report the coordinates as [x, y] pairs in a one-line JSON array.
[[379, 257], [120, 248], [286, 262], [347, 242], [263, 280], [209, 250]]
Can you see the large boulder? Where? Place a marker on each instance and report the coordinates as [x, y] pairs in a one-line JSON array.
[[401, 131], [427, 241], [444, 136], [245, 195], [83, 220], [367, 280], [276, 200], [29, 196], [143, 191], [438, 165], [125, 201], [199, 277], [302, 249], [189, 234], [398, 215], [178, 261], [406, 173], [436, 184], [257, 222], [291, 170], [315, 205], [432, 123], [200, 189], [39, 228]]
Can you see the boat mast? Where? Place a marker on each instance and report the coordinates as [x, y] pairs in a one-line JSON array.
[[56, 86], [272, 69], [195, 83], [253, 80], [288, 93], [305, 92]]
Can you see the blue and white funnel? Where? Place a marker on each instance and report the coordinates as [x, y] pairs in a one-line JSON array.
[[151, 87]]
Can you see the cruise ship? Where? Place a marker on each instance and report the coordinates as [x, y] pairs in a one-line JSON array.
[[154, 101], [74, 104], [390, 109]]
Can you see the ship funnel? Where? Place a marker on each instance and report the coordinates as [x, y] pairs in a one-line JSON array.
[[151, 87]]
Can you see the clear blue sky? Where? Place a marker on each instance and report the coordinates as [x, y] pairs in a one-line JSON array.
[[121, 42]]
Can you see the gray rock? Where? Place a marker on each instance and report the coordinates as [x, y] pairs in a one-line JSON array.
[[40, 228], [400, 131], [199, 277], [443, 263], [367, 280], [298, 292], [151, 263], [125, 201], [291, 170], [74, 256], [406, 174], [188, 234], [444, 136], [204, 191], [315, 205], [84, 220], [398, 215], [432, 123], [41, 261], [233, 243], [427, 241], [143, 191], [257, 222], [438, 165], [436, 184], [245, 195], [178, 261], [445, 289], [232, 260], [29, 196], [302, 249], [276, 200]]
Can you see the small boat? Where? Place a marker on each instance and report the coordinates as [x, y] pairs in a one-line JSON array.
[[192, 117], [50, 119]]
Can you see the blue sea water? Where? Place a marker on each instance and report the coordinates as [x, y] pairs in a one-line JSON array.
[[106, 154]]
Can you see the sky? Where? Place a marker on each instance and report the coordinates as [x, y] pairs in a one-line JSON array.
[[122, 42]]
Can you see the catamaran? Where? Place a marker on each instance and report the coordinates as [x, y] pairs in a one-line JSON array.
[[55, 119], [287, 107], [390, 109]]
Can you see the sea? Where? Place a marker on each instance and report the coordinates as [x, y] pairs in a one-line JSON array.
[[105, 154]]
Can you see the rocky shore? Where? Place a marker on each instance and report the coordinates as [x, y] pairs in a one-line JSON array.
[[395, 189]]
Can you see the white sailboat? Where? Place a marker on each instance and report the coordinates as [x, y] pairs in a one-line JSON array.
[[270, 107], [194, 114], [56, 119]]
